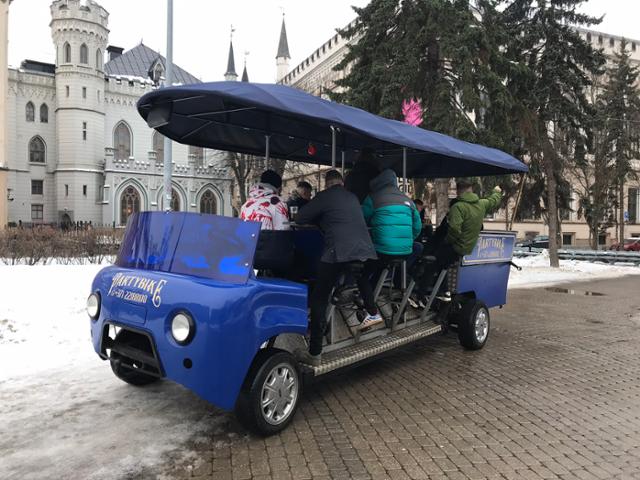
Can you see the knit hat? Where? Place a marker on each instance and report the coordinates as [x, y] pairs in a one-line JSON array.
[[272, 178]]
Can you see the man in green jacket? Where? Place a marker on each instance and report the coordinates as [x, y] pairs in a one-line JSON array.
[[466, 216], [463, 224]]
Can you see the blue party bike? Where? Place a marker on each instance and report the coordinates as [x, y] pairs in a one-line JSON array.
[[192, 298]]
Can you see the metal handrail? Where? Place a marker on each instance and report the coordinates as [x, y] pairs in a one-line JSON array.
[[604, 256]]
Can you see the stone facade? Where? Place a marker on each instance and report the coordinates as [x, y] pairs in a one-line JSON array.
[[64, 164], [315, 75]]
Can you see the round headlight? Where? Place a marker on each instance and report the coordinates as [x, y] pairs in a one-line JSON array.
[[182, 328], [93, 305]]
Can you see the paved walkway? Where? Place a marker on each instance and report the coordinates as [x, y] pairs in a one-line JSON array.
[[555, 394]]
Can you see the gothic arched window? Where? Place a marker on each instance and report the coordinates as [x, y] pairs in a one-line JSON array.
[[84, 54], [67, 53], [175, 201], [30, 112], [208, 203], [99, 59], [129, 204], [44, 113], [122, 141], [37, 151], [198, 154], [158, 146]]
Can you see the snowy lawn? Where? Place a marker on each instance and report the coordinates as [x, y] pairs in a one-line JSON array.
[[536, 271], [63, 413]]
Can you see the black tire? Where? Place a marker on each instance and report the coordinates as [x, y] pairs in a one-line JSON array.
[[269, 365], [124, 368], [473, 313]]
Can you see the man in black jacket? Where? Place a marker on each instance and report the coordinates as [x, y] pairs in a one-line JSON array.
[[346, 240]]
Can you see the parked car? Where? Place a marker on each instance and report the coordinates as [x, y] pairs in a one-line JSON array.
[[629, 245], [539, 241]]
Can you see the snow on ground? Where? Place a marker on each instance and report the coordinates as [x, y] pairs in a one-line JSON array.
[[63, 414], [536, 271]]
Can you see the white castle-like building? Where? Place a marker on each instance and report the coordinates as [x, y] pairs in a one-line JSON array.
[[77, 149]]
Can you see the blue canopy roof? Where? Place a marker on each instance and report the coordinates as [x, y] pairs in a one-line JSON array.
[[237, 117]]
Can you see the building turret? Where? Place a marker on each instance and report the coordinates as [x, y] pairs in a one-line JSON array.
[[80, 36], [231, 74], [282, 57], [245, 75]]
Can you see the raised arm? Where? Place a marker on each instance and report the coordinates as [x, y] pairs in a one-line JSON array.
[[492, 201]]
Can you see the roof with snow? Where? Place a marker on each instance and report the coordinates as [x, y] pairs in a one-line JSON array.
[[139, 61], [283, 44]]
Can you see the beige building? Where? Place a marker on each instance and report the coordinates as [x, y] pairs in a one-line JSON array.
[[315, 75]]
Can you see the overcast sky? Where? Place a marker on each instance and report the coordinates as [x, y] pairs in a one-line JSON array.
[[202, 29]]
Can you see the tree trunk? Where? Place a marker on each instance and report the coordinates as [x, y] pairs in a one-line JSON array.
[[593, 237], [552, 210], [621, 212], [442, 199]]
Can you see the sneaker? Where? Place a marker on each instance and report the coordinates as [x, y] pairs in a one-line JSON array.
[[303, 356], [370, 321], [445, 297]]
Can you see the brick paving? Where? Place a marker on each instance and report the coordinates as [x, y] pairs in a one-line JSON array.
[[555, 394]]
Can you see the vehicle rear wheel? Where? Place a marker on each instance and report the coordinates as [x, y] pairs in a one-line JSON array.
[[270, 395], [126, 369], [474, 323]]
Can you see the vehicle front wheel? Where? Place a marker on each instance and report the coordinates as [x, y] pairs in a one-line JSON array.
[[125, 368], [474, 324], [271, 392]]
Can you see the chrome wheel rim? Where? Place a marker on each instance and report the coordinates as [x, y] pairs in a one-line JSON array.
[[279, 394], [481, 325]]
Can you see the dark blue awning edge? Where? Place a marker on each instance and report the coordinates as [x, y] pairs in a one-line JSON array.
[[235, 116]]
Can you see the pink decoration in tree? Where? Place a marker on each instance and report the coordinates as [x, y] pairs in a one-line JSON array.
[[412, 112]]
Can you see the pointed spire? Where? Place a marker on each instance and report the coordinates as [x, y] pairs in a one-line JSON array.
[[231, 62], [283, 44], [245, 75]]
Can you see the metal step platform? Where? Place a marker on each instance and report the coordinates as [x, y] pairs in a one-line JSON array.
[[353, 354]]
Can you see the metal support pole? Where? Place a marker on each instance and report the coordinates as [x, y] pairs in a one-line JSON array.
[[405, 187], [267, 138], [405, 190], [168, 157], [343, 163], [333, 146]]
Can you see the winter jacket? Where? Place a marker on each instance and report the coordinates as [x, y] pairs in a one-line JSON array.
[[338, 214], [393, 218], [465, 219], [358, 179], [265, 205], [295, 200]]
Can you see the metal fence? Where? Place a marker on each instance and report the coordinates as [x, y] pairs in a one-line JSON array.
[[604, 256]]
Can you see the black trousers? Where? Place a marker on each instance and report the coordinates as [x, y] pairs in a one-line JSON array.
[[328, 275], [445, 256]]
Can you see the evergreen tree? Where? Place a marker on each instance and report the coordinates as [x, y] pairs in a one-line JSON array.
[[437, 51], [555, 67], [621, 109]]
